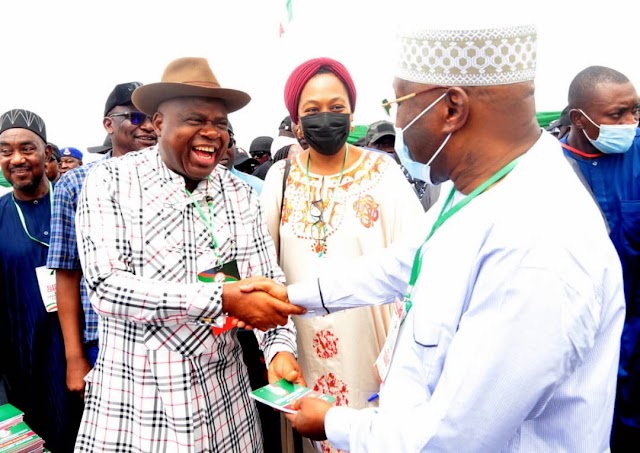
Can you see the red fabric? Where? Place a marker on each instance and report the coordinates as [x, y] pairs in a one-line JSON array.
[[301, 75]]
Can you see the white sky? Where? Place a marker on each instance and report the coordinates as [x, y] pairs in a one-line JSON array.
[[61, 59]]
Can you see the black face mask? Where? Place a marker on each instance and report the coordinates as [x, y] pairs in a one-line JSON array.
[[326, 132]]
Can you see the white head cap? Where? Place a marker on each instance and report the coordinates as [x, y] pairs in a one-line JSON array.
[[474, 49]]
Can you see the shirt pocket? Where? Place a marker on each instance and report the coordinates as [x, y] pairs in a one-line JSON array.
[[429, 339]]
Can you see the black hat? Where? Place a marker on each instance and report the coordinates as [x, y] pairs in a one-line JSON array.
[[240, 157], [261, 144], [121, 95], [102, 149], [285, 125], [56, 151], [378, 130], [23, 119], [563, 121]]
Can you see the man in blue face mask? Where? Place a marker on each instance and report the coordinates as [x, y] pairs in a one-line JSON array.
[[508, 335], [605, 143]]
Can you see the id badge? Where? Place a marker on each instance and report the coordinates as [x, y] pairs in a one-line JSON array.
[[228, 272], [47, 284], [383, 362]]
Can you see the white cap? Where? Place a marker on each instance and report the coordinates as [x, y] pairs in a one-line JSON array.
[[479, 45]]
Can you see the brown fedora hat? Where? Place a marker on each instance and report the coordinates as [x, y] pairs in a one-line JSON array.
[[187, 76]]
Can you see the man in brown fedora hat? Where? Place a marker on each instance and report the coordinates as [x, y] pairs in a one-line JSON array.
[[164, 236]]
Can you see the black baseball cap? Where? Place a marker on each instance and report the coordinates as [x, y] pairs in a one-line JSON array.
[[121, 95]]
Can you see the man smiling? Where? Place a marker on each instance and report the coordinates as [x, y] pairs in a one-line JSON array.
[[129, 130], [159, 233], [31, 351]]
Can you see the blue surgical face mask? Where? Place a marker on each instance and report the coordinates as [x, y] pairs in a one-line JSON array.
[[417, 170], [612, 138]]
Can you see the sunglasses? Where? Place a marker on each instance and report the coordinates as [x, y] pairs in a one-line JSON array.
[[136, 118]]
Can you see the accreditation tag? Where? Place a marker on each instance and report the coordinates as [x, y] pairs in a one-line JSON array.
[[228, 272], [47, 284], [383, 362]]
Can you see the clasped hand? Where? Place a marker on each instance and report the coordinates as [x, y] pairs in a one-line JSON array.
[[258, 302]]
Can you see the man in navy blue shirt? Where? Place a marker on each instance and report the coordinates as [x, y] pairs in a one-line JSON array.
[[604, 141], [31, 347]]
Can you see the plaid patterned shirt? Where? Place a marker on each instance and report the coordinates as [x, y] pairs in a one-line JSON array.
[[63, 247], [163, 382]]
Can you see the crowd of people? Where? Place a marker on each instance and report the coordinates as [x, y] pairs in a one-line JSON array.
[[459, 280]]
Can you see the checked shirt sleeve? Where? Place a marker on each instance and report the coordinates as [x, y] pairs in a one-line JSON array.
[[109, 219], [63, 250]]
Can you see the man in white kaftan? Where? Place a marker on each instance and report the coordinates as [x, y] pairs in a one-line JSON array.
[[514, 297]]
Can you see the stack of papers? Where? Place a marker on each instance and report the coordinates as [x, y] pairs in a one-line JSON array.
[[15, 435]]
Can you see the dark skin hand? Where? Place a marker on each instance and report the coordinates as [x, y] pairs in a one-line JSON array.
[[271, 287], [258, 309], [284, 365], [309, 420]]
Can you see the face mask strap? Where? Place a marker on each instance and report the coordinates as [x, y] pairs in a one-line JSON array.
[[424, 111], [587, 117], [439, 149]]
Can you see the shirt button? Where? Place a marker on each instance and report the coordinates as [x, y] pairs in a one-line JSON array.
[[46, 233], [595, 164], [35, 201]]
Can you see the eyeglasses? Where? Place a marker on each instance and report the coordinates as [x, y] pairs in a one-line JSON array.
[[258, 154], [319, 226], [387, 105], [136, 118]]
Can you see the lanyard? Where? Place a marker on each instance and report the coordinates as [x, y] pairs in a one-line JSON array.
[[24, 223], [208, 221], [580, 153], [444, 216]]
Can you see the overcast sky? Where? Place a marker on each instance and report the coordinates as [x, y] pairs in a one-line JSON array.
[[61, 59]]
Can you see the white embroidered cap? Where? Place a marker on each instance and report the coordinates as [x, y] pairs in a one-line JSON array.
[[466, 53]]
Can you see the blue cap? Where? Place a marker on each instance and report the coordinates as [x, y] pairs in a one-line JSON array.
[[71, 152]]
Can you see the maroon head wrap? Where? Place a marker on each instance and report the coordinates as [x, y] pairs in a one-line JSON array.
[[301, 75]]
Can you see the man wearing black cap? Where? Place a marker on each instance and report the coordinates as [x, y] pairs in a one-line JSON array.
[[242, 161], [31, 353], [163, 235], [286, 136], [381, 136], [53, 166], [129, 130], [260, 149]]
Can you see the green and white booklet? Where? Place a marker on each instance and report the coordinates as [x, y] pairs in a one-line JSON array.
[[282, 394]]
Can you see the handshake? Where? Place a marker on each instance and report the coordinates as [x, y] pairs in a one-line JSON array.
[[258, 303]]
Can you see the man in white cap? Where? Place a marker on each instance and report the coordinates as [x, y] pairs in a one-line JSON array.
[[163, 236], [509, 333]]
